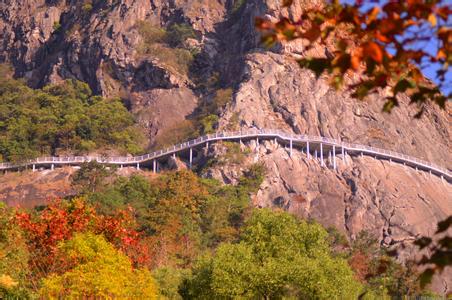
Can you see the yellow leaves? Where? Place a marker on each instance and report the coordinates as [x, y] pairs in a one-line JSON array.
[[7, 282], [432, 19], [105, 272]]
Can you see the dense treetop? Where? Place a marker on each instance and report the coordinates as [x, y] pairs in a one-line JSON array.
[[64, 118]]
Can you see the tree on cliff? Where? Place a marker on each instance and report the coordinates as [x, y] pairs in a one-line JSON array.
[[389, 44]]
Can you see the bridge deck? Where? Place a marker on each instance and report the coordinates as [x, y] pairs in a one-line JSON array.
[[297, 141]]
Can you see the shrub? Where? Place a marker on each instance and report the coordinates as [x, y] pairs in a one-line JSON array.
[[177, 34], [150, 33], [161, 44], [87, 7], [56, 26], [238, 4], [208, 124], [179, 132]]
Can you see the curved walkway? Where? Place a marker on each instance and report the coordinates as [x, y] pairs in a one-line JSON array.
[[313, 146]]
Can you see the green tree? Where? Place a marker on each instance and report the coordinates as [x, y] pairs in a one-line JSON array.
[[169, 279], [90, 177], [38, 122], [277, 256], [99, 271]]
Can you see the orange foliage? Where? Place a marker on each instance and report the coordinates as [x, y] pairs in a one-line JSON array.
[[60, 220], [378, 41], [359, 262]]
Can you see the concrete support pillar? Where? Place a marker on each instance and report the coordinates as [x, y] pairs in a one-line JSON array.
[[334, 157], [343, 153], [34, 167], [154, 166], [174, 155], [321, 155], [138, 166], [121, 166], [362, 154], [315, 154], [52, 167], [330, 162], [307, 150], [290, 148], [276, 141], [191, 157]]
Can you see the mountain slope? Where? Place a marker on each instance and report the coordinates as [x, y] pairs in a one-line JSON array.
[[48, 41]]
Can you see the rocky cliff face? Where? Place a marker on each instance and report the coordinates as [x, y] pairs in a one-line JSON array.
[[48, 41]]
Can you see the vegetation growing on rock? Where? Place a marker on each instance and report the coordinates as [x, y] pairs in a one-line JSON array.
[[167, 45], [65, 118]]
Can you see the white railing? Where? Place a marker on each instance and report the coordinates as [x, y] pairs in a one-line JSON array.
[[235, 135]]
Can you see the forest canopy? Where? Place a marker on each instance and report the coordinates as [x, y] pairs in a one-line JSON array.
[[64, 118]]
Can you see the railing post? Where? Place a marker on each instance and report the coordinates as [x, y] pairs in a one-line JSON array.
[[290, 147], [334, 157], [321, 155], [307, 150]]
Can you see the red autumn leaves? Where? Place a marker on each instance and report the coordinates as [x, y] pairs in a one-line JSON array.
[[60, 221], [379, 42]]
